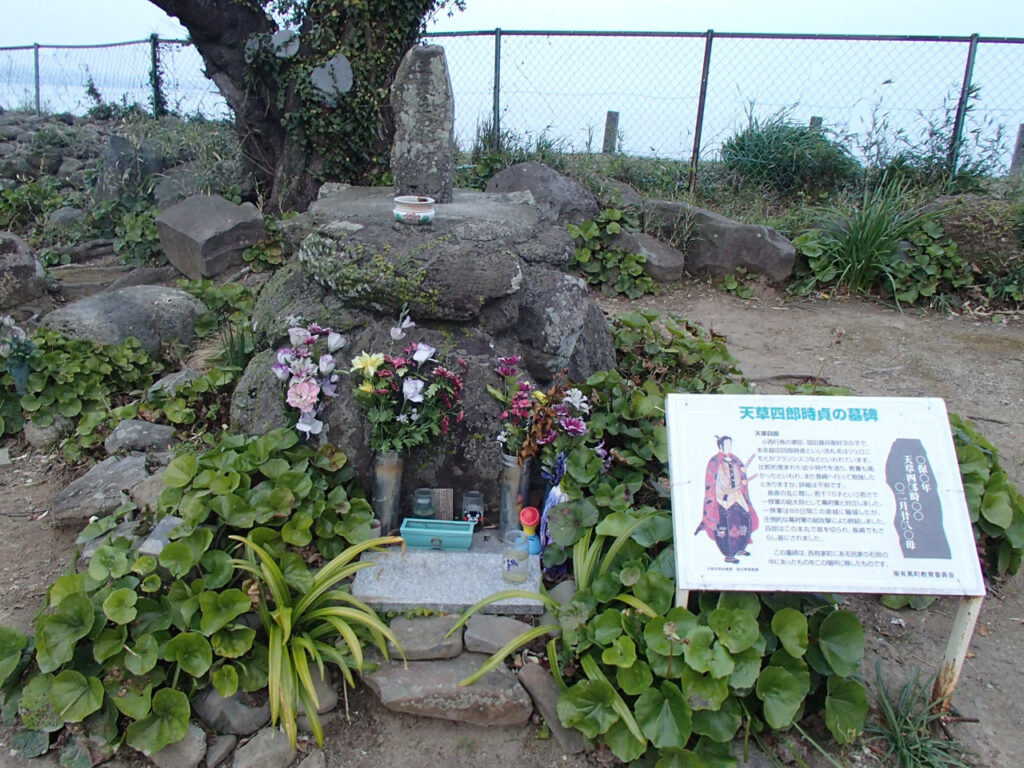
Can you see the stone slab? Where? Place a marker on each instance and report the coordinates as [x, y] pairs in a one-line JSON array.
[[544, 691], [423, 638], [431, 689], [448, 582]]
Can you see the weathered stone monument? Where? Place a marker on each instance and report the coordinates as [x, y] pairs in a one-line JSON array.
[[422, 158]]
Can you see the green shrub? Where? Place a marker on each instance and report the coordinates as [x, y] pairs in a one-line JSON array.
[[789, 159], [860, 247], [601, 263]]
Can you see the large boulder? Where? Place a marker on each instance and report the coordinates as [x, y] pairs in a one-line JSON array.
[[478, 282], [422, 153], [205, 235], [558, 197], [664, 264], [720, 245], [153, 314], [21, 273], [124, 166]]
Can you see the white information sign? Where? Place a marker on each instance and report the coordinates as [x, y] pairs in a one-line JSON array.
[[818, 494]]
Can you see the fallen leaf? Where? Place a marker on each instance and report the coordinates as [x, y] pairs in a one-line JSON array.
[[983, 630], [971, 654]]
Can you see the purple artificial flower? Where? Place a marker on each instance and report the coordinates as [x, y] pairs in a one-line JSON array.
[[326, 364], [573, 427], [299, 337], [546, 438], [281, 371], [302, 368], [285, 355], [506, 370]]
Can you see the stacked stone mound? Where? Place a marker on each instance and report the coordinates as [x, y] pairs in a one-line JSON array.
[[484, 280]]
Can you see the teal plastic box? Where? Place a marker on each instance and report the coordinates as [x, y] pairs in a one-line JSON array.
[[437, 534]]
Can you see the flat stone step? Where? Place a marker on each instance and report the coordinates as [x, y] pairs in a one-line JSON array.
[[431, 689], [444, 581]]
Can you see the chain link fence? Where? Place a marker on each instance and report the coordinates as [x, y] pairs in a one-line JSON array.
[[683, 96], [71, 79]]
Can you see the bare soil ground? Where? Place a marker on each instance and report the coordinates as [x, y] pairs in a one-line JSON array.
[[976, 365]]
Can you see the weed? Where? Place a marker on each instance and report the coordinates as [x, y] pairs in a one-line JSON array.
[[906, 729]]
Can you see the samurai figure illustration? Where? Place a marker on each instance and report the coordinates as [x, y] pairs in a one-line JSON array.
[[729, 517]]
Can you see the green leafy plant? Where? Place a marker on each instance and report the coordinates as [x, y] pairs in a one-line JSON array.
[[773, 153], [995, 503], [198, 407], [860, 248], [736, 284], [23, 207], [906, 724], [603, 264], [136, 240], [301, 626], [268, 253], [85, 382]]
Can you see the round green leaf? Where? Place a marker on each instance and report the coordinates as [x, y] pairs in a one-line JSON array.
[[166, 724], [132, 696], [746, 669], [996, 508], [655, 590], [722, 664], [145, 565], [296, 531], [587, 707], [109, 643], [702, 691], [217, 568], [225, 680], [12, 643], [790, 626], [57, 633], [75, 696], [670, 666], [623, 743], [29, 744], [151, 583], [841, 639], [35, 706], [181, 471], [679, 758], [664, 634], [220, 608], [607, 626], [720, 725], [108, 561], [634, 680], [781, 696], [224, 484], [142, 657], [190, 650], [846, 706], [697, 650], [119, 606], [736, 628], [177, 557], [664, 716], [151, 616], [621, 653], [254, 671]]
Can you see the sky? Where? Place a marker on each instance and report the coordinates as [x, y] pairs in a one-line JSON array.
[[69, 22]]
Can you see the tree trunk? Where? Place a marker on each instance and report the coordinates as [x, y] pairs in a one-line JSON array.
[[289, 140]]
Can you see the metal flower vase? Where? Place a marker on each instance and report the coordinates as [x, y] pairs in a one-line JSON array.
[[387, 489]]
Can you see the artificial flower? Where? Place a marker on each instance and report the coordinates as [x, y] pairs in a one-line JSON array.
[[412, 390], [335, 341], [299, 337], [326, 364], [303, 395], [423, 352], [367, 363]]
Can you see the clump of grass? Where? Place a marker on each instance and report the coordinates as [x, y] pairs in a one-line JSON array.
[[775, 154], [906, 730]]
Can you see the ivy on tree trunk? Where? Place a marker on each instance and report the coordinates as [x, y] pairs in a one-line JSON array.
[[291, 138]]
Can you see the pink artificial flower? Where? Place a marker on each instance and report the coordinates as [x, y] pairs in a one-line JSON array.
[[302, 368], [573, 427], [299, 336], [303, 395]]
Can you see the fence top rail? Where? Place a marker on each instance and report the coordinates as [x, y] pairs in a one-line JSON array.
[[746, 35], [146, 41]]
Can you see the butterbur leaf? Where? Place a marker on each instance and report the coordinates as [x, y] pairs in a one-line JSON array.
[[217, 568], [151, 583], [119, 606], [780, 694], [747, 666], [29, 744], [180, 471], [177, 558], [623, 743], [587, 707], [846, 706], [634, 680], [108, 562], [151, 616], [719, 725], [790, 626], [166, 723], [296, 530], [702, 691], [841, 638], [12, 643], [142, 657], [109, 643], [607, 626], [190, 650], [736, 629], [35, 707], [664, 634], [722, 664], [144, 565], [225, 680], [255, 670], [75, 696], [678, 758], [622, 652], [664, 716], [220, 608], [655, 590], [56, 634], [232, 642], [132, 696], [697, 648], [567, 522]]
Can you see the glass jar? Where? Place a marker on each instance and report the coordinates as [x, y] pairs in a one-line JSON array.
[[423, 503], [515, 557], [473, 507]]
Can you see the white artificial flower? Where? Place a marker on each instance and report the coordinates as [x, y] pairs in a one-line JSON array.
[[335, 341], [413, 390], [299, 336], [326, 364], [423, 353], [577, 399]]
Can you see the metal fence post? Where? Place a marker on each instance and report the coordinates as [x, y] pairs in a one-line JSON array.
[[708, 39], [961, 111], [154, 75], [35, 56], [496, 113]]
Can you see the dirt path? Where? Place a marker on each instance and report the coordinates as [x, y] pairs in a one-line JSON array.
[[976, 366]]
